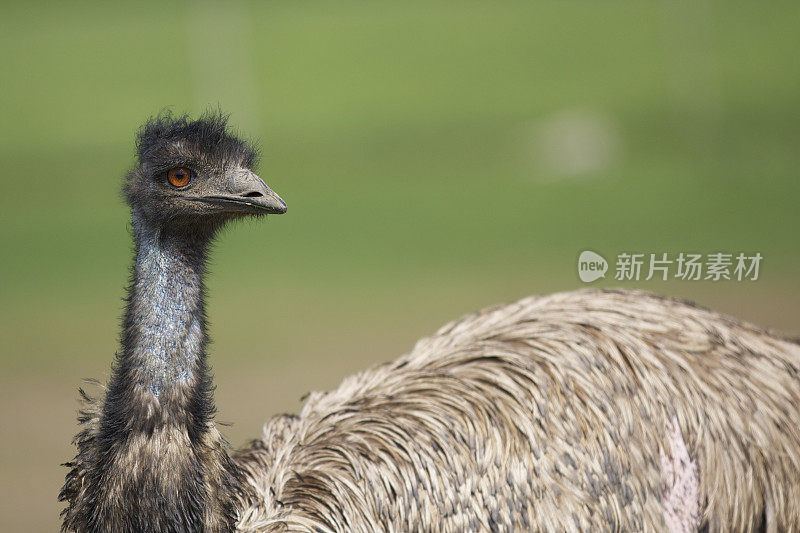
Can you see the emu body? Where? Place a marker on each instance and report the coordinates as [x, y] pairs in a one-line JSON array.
[[548, 414], [588, 410]]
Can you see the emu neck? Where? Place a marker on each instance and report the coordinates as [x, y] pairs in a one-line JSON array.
[[155, 461], [164, 338]]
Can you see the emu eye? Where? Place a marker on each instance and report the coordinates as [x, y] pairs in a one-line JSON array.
[[179, 177]]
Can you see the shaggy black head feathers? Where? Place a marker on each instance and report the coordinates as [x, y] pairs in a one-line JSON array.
[[207, 137]]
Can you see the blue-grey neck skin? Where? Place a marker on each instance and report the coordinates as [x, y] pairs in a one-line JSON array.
[[166, 312], [153, 460], [161, 376]]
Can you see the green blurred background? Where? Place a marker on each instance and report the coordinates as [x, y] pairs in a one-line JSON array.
[[436, 158]]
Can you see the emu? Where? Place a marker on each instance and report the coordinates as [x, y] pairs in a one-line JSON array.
[[589, 410]]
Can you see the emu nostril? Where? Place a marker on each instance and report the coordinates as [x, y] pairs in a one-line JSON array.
[[253, 194]]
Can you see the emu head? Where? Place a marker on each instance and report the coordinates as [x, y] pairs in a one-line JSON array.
[[194, 175]]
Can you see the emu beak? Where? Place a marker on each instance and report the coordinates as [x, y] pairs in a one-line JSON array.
[[245, 192]]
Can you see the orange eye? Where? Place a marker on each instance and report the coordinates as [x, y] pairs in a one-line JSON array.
[[179, 176]]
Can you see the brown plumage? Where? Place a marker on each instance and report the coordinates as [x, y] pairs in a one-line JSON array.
[[546, 414], [589, 410]]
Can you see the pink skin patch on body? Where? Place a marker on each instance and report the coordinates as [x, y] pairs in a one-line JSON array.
[[681, 497]]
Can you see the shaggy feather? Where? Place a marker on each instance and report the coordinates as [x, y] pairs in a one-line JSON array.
[[549, 414]]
